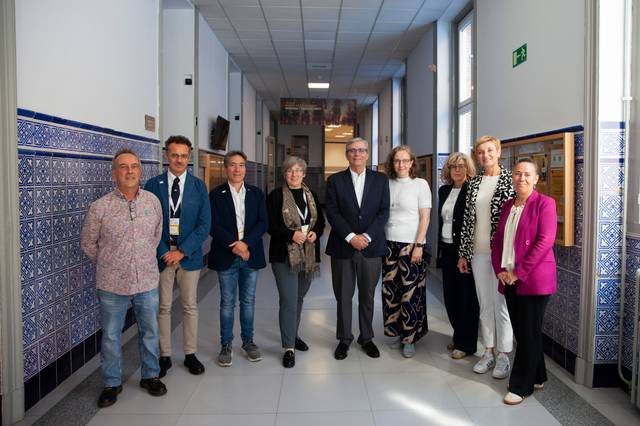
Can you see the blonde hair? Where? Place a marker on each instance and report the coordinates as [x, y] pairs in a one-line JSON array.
[[485, 139], [454, 158]]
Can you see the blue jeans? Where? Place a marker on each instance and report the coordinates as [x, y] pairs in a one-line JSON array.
[[113, 308], [239, 275]]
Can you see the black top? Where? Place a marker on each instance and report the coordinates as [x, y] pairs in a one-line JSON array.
[[458, 214], [298, 197], [280, 234]]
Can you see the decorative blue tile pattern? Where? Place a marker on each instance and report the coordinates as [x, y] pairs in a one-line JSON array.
[[62, 169]]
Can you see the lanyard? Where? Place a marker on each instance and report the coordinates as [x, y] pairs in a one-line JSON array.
[[306, 207]]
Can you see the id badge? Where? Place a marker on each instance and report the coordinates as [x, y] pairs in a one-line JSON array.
[[174, 226], [304, 229]]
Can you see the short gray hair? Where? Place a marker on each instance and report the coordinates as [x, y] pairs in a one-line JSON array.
[[230, 154], [289, 162], [121, 152], [354, 140]]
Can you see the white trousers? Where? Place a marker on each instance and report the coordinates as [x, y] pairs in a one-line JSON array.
[[495, 324]]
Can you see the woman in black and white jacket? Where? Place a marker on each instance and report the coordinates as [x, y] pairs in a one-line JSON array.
[[487, 192]]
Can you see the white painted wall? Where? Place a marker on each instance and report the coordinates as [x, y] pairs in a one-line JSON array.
[[248, 119], [421, 96], [235, 109], [384, 123], [315, 141], [88, 61], [364, 121], [178, 60], [212, 81], [266, 132], [545, 92]]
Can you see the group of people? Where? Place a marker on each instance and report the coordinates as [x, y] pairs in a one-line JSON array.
[[496, 238], [144, 241]]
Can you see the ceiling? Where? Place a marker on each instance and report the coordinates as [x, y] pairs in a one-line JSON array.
[[356, 45]]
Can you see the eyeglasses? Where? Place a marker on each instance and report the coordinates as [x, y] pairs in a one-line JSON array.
[[132, 210], [175, 156], [295, 172], [402, 161], [457, 166], [357, 150]]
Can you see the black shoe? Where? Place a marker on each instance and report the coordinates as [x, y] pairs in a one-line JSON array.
[[192, 363], [289, 359], [165, 364], [371, 349], [341, 351], [154, 386], [301, 345], [109, 396]]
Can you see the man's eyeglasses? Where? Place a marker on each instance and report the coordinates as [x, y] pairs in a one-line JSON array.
[[357, 150], [175, 156], [457, 166], [132, 209]]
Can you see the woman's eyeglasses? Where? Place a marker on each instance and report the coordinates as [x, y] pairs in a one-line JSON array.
[[402, 161], [457, 166]]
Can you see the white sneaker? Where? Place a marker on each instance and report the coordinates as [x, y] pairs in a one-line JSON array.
[[501, 371], [485, 364]]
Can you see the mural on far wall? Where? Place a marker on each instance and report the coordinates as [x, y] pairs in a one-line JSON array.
[[322, 112]]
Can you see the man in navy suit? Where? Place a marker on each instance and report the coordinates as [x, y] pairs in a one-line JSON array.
[[239, 217], [185, 226], [357, 207]]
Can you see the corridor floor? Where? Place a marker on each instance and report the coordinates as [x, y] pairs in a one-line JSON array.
[[429, 389]]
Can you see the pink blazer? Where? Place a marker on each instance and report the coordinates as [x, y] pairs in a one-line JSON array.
[[535, 264]]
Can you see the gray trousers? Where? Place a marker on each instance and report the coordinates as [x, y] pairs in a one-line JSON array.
[[345, 273], [292, 287]]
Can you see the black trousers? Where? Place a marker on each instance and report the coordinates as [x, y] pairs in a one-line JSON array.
[[460, 301], [345, 273], [527, 313]]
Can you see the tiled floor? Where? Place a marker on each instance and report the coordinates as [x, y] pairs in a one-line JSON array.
[[428, 389]]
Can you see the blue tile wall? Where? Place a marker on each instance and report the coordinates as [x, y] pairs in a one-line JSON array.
[[62, 169], [611, 140]]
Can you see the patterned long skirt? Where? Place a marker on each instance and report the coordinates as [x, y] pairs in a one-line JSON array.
[[404, 301]]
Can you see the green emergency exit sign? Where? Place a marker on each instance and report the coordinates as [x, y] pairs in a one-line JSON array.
[[519, 55]]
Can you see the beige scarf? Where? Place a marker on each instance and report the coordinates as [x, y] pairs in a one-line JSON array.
[[301, 257]]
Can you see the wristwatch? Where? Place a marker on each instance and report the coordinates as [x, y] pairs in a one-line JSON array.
[[421, 245]]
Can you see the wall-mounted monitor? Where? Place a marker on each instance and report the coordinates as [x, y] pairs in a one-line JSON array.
[[220, 134]]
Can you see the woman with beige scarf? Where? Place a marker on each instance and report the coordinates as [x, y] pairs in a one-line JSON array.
[[296, 223]]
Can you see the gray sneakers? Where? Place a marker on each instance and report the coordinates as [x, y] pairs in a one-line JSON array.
[[252, 351], [224, 357], [501, 370], [485, 364]]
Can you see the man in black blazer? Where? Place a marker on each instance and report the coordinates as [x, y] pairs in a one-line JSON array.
[[238, 221], [357, 207]]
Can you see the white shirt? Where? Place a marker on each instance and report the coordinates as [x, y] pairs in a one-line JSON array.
[[407, 196], [508, 251], [170, 178], [447, 215], [238, 204], [482, 237], [358, 186]]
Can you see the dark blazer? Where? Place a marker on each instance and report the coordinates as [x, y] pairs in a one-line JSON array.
[[280, 234], [458, 215], [195, 219], [344, 215], [224, 227]]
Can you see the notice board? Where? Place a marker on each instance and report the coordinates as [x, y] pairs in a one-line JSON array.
[[554, 155]]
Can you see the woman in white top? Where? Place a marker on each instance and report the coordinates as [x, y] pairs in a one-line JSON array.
[[487, 192], [458, 289], [404, 268]]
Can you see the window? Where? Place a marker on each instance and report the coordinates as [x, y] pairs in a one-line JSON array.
[[465, 89]]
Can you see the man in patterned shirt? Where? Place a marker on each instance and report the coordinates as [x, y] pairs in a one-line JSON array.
[[120, 234]]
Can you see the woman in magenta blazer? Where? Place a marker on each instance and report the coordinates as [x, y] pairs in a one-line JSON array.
[[523, 260]]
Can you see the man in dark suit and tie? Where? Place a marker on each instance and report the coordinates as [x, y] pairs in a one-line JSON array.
[[239, 219], [357, 207], [185, 226]]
